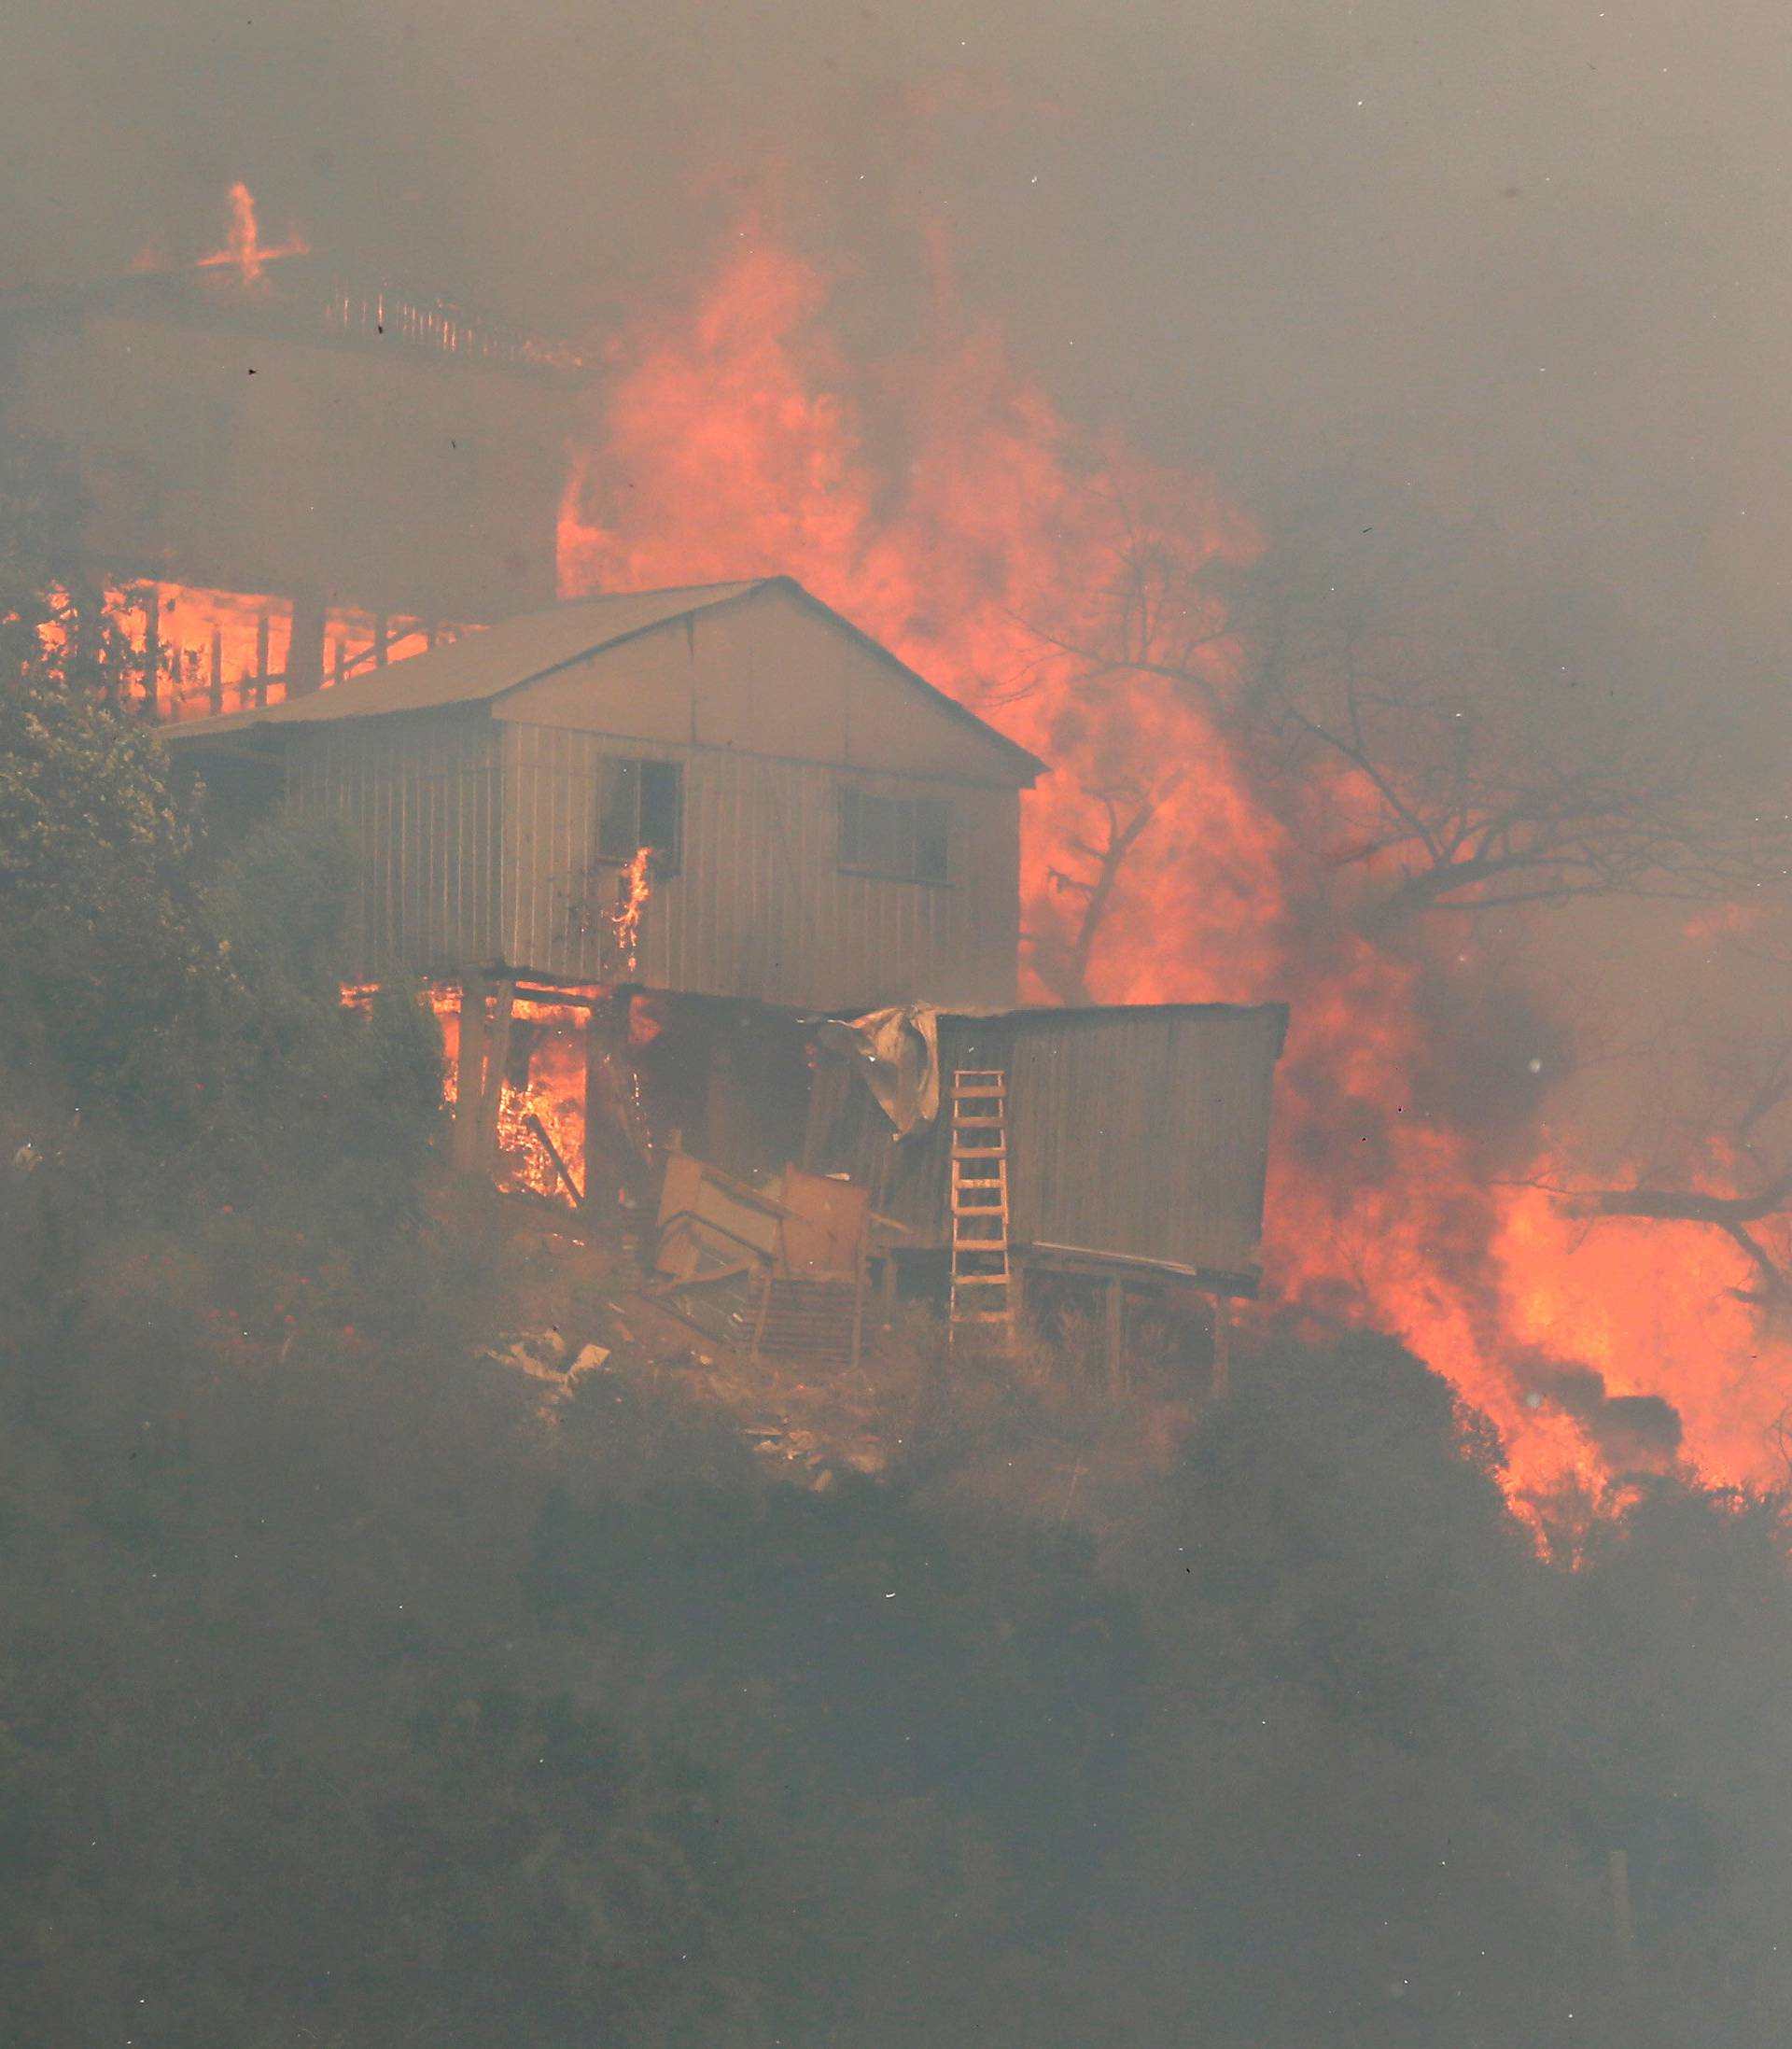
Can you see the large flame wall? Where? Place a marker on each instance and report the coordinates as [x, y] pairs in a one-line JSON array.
[[735, 441]]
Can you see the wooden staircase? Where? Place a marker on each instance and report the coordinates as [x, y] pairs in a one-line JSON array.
[[983, 1291]]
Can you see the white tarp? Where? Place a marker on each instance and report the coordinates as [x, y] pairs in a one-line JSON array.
[[898, 1053]]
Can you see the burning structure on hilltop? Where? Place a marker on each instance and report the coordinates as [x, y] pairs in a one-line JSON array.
[[394, 473], [729, 900], [241, 427]]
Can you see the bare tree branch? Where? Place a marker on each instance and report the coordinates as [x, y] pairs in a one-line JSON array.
[[1451, 777], [1065, 968]]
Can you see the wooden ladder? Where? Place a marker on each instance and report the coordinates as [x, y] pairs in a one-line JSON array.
[[982, 1283]]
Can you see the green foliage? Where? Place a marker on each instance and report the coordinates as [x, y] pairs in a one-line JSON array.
[[42, 508], [319, 1115], [106, 971]]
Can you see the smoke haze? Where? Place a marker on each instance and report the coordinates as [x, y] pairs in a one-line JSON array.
[[1381, 266]]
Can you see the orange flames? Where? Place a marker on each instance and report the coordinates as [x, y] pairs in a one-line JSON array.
[[631, 906], [225, 651], [735, 441], [551, 1098], [244, 250]]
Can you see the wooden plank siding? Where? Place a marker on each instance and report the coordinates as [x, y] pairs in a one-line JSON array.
[[761, 908], [419, 797], [1140, 1133]]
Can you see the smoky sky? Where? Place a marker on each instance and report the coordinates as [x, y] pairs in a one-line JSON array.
[[1522, 270]]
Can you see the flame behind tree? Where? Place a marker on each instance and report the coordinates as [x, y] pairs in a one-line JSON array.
[[1454, 771], [1714, 1150]]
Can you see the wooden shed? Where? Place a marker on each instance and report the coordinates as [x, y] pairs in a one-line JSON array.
[[1137, 1139], [826, 829]]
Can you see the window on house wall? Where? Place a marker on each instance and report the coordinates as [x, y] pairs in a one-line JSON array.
[[641, 803], [906, 838]]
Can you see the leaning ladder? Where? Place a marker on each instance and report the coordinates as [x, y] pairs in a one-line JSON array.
[[982, 1283]]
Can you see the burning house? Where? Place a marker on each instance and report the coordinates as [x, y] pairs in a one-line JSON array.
[[239, 426], [730, 896]]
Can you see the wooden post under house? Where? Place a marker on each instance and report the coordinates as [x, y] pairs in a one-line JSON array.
[[469, 1072], [1219, 1382], [305, 645], [263, 629], [594, 1089], [1114, 1333], [497, 1057]]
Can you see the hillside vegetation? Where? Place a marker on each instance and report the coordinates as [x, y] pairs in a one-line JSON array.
[[349, 1698]]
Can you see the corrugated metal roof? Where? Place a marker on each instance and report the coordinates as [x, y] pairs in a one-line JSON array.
[[486, 665]]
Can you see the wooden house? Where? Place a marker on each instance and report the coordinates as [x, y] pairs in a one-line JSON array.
[[821, 837], [826, 828]]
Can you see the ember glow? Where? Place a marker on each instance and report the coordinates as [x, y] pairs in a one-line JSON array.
[[736, 440]]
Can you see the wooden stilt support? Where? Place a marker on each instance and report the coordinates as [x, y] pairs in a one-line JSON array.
[[263, 631], [1220, 1384], [860, 1279], [218, 672], [1623, 1926], [469, 1072], [545, 1138], [497, 1060], [305, 644], [597, 1051], [1115, 1334]]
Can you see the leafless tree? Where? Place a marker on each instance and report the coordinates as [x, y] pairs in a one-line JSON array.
[[1722, 1151], [1062, 960], [1462, 781], [1456, 773]]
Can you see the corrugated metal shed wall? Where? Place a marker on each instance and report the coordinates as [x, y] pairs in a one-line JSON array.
[[420, 797], [760, 908], [1139, 1131]]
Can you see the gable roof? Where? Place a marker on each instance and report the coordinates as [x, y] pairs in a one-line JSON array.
[[485, 666]]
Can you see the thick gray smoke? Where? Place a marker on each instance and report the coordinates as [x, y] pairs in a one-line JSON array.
[[1381, 265]]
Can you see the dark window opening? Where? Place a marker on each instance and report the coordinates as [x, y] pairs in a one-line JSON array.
[[641, 803], [907, 839]]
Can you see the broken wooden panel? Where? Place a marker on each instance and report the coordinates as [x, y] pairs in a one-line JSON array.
[[823, 1229], [709, 1221]]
